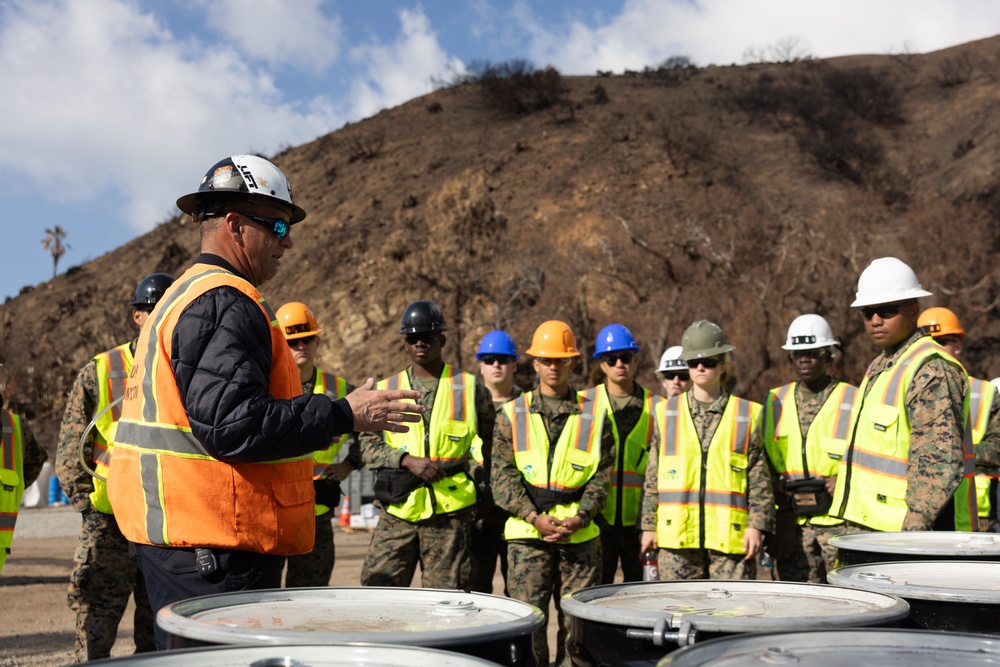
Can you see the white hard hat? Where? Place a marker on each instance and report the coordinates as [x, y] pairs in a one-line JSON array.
[[808, 332], [671, 360], [996, 383], [887, 280], [238, 177]]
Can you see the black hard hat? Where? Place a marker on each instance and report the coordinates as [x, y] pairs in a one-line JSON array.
[[422, 317], [151, 288]]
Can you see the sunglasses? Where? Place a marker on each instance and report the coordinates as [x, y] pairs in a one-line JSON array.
[[277, 226], [884, 312], [426, 337], [815, 353], [307, 340], [672, 375], [546, 361], [704, 363], [612, 359], [502, 359]]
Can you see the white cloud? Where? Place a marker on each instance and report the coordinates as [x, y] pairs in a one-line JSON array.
[[394, 73], [645, 32], [279, 32]]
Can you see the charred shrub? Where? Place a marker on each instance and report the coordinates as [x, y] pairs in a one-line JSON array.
[[515, 86], [872, 96]]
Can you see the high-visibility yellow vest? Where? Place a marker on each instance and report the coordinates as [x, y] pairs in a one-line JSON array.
[[555, 477], [445, 440], [631, 457], [113, 367], [166, 488], [871, 481], [11, 477], [981, 396], [703, 493], [825, 443], [335, 388]]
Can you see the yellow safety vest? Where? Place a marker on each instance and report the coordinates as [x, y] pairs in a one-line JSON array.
[[445, 440], [703, 493], [631, 457], [335, 388], [981, 396], [825, 443], [871, 481], [11, 478], [560, 473], [113, 367]]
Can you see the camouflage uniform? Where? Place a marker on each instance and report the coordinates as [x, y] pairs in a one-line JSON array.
[[441, 543], [988, 462], [488, 543], [538, 570], [621, 542], [802, 552], [316, 567], [104, 574], [708, 563], [934, 409]]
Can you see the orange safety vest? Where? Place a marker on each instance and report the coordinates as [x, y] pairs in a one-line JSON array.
[[166, 488]]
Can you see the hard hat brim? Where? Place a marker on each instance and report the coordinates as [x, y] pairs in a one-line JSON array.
[[703, 354], [189, 203], [542, 354], [302, 334], [888, 297]]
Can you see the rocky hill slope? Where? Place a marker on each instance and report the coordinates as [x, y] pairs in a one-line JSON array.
[[745, 195]]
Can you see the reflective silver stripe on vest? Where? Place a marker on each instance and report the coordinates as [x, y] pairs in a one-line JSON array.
[[102, 455], [892, 389], [976, 392], [149, 472], [7, 521], [7, 440], [149, 411], [116, 377], [690, 497], [880, 464], [741, 441], [270, 313], [777, 404], [162, 438], [392, 384], [457, 400], [670, 434], [520, 424], [588, 419], [845, 407], [631, 479]]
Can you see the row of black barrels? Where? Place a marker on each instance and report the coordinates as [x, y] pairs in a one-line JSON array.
[[896, 598]]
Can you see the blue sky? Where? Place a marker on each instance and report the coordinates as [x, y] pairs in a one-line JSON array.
[[114, 108]]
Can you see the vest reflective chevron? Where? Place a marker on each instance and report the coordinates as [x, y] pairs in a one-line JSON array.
[[166, 488], [563, 469], [703, 494], [112, 367], [871, 482], [630, 461], [335, 388], [11, 477], [826, 437], [445, 439], [981, 396]]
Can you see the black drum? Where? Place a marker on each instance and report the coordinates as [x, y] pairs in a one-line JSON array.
[[915, 545], [637, 624], [486, 626], [834, 648], [958, 596]]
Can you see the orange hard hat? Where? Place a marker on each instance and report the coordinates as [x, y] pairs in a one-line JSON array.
[[938, 321], [297, 321], [553, 340]]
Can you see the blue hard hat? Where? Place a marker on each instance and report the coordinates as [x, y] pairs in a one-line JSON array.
[[497, 342], [614, 338]]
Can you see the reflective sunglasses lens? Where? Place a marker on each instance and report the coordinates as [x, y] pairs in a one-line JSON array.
[[612, 359], [684, 377]]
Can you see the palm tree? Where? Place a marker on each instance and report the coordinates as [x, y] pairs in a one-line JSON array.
[[53, 243]]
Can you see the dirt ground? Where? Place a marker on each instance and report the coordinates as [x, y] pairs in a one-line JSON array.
[[36, 627]]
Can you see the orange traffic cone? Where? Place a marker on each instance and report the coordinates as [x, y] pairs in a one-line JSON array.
[[345, 512]]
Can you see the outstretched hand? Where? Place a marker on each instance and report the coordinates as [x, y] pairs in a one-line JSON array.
[[383, 409]]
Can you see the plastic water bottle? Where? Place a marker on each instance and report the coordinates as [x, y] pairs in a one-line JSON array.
[[766, 560], [649, 572]]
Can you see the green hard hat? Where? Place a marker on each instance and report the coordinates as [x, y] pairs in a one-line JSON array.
[[704, 339]]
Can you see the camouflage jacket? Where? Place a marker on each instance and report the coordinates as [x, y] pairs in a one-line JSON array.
[[760, 492], [377, 454], [81, 404], [934, 409], [506, 479]]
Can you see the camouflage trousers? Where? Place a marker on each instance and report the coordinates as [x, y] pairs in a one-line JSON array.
[[673, 564], [316, 567], [488, 545], [439, 544], [621, 543], [804, 553], [539, 572], [103, 578]]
